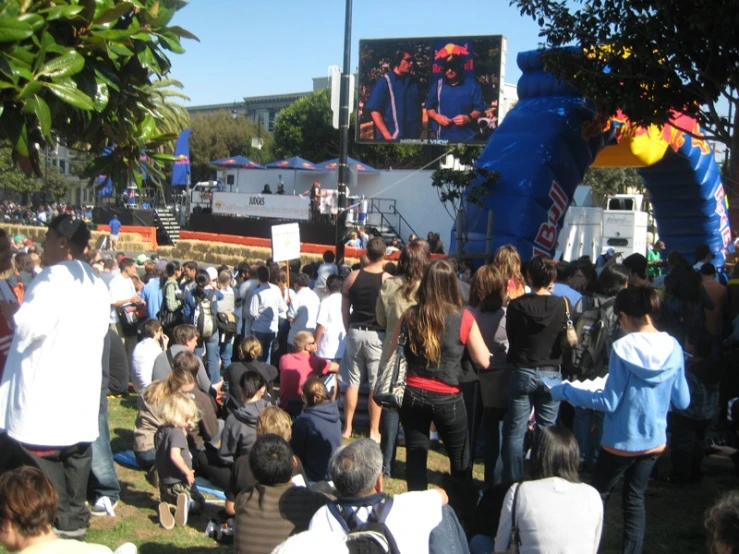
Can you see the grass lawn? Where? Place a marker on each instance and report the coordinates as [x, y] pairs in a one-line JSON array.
[[674, 515]]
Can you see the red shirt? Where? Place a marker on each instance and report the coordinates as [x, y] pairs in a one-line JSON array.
[[295, 369]]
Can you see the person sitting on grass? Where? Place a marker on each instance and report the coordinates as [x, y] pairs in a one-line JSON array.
[[27, 513], [275, 508], [317, 431], [174, 462], [296, 368], [249, 351], [722, 524], [239, 433], [275, 421]]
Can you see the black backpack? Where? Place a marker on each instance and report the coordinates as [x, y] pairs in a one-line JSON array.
[[371, 537], [206, 321], [597, 328]]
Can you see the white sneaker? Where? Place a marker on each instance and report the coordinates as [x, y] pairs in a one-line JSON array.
[[103, 507]]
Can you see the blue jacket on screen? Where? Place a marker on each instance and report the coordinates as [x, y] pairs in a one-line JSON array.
[[399, 101], [452, 100], [646, 374], [316, 436]]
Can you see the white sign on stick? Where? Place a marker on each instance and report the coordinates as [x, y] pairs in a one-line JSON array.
[[285, 242]]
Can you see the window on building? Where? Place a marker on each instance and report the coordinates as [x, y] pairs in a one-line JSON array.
[[63, 166], [271, 123]]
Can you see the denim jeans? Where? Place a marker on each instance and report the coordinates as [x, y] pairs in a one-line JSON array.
[[226, 349], [447, 411], [265, 339], [146, 459], [588, 430], [526, 391], [492, 428], [103, 478], [635, 471], [210, 347], [448, 537], [389, 422]]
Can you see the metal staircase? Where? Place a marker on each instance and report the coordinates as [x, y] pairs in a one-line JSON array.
[[168, 230], [386, 221]]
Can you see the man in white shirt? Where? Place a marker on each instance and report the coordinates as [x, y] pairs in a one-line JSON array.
[[145, 354], [303, 309], [330, 332], [326, 269], [123, 293], [356, 472], [50, 391], [265, 307]]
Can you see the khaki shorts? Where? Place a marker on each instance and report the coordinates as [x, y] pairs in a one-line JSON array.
[[362, 356]]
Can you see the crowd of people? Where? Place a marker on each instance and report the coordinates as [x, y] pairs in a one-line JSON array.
[[40, 214], [251, 378]]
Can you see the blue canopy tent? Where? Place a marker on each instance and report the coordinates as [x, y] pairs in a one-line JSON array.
[[296, 162], [331, 165], [237, 162]]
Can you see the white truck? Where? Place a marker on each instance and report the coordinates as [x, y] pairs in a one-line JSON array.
[[590, 231]]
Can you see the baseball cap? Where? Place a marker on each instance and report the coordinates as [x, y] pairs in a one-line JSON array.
[[212, 273], [75, 230], [611, 252], [18, 238], [141, 259], [161, 266]]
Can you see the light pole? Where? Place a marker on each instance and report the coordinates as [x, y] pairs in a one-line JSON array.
[[343, 170]]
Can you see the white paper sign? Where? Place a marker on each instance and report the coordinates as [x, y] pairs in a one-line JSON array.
[[285, 242], [278, 206]]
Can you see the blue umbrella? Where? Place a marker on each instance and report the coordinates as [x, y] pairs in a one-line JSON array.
[[333, 164], [296, 162], [239, 162]]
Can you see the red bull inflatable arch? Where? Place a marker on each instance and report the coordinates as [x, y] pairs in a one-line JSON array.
[[541, 152]]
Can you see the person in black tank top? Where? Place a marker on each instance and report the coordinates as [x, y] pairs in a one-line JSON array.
[[364, 337]]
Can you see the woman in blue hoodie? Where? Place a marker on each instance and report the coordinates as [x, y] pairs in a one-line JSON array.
[[646, 374], [317, 431]]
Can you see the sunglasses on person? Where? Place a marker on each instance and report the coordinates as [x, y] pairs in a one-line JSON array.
[[409, 60]]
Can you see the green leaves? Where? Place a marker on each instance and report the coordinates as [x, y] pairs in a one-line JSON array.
[[93, 72], [67, 64], [12, 30], [71, 95]]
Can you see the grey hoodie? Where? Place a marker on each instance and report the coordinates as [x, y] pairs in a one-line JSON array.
[[240, 431]]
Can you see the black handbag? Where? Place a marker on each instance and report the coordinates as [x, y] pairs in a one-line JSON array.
[[129, 319]]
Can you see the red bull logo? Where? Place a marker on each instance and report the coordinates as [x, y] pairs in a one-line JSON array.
[[282, 164], [182, 159], [546, 238], [306, 165], [452, 49]]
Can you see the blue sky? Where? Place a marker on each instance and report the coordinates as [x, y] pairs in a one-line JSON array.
[[259, 47]]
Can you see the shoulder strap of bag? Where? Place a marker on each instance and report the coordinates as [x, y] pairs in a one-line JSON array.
[[170, 358], [515, 535]]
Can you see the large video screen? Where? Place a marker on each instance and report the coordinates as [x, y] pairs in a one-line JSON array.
[[438, 90]]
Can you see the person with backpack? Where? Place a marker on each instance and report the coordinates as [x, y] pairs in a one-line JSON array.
[[419, 521], [597, 329], [227, 320], [646, 376], [170, 312], [201, 309]]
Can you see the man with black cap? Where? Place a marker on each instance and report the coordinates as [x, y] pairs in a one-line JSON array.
[[454, 102], [50, 391]]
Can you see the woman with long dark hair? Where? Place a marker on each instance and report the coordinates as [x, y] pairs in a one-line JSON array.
[[439, 331], [646, 376], [546, 507], [396, 296]]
